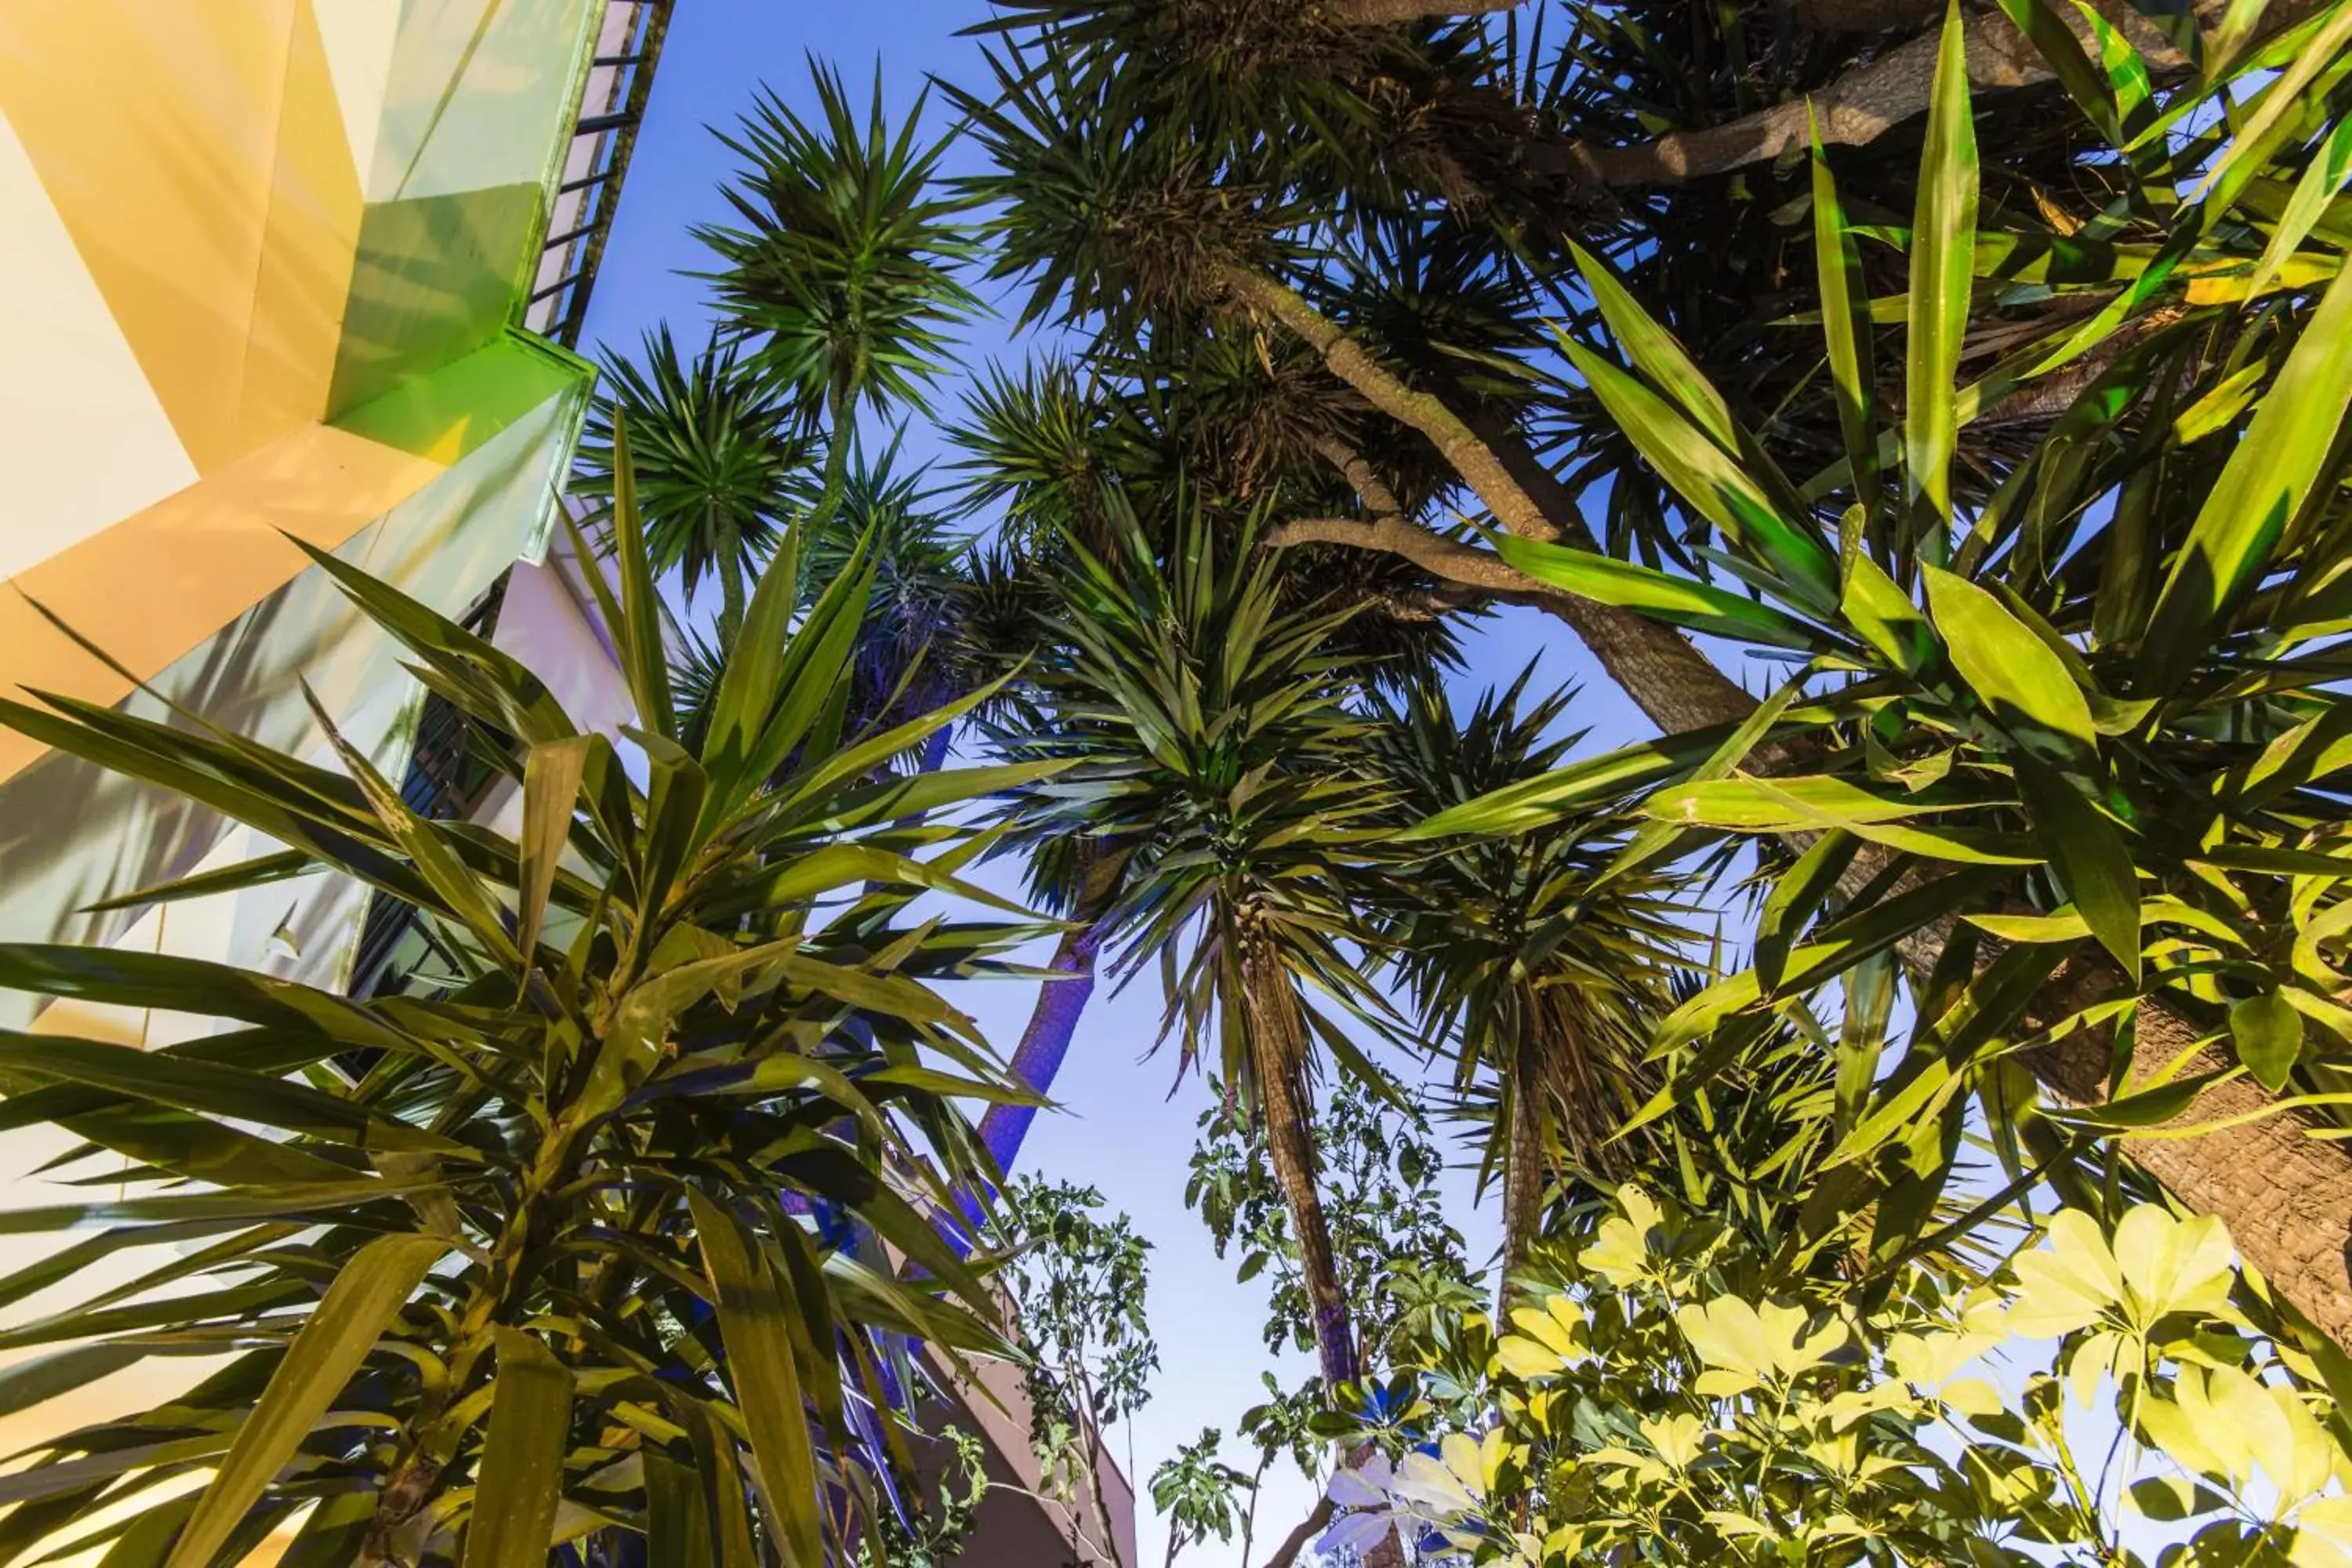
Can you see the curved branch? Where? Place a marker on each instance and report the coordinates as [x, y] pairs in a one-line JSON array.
[[1666, 676], [1296, 1541], [1445, 559], [1859, 107]]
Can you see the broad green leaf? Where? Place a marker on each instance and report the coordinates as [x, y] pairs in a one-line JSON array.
[[1656, 354], [2319, 63], [678, 1524], [522, 1476], [644, 659], [2068, 1284], [210, 1088], [1845, 327], [1862, 1036], [2064, 926], [496, 687], [1753, 804], [2264, 485], [1656, 837], [1678, 601], [435, 859], [760, 1365], [258, 872], [1943, 253], [129, 978], [2268, 1033], [1882, 615], [1534, 802], [365, 1298], [2322, 178], [1728, 1333], [2172, 1265], [1714, 484], [2007, 665], [551, 787], [2090, 859], [2219, 408]]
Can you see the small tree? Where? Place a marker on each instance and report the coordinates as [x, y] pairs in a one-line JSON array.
[[1079, 1282], [574, 1235]]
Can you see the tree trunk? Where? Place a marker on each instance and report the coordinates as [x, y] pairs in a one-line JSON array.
[[1875, 98], [1045, 1044], [730, 584], [2287, 1197], [1277, 1056], [1523, 1171]]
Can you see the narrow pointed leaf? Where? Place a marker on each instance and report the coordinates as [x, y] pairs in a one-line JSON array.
[[2019, 677], [2090, 859], [364, 1298], [1678, 601], [767, 1383], [521, 1476], [1943, 254], [2265, 482]]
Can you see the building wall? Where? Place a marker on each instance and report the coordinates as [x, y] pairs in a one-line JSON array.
[[262, 268], [261, 263]]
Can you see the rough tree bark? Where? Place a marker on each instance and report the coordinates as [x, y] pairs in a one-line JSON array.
[[1054, 1020], [1277, 1051], [2285, 1196], [1523, 1164], [1873, 99]]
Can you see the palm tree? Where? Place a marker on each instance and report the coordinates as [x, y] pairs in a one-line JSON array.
[[920, 644], [719, 444], [575, 1195], [1072, 456], [1214, 753], [1541, 958], [1146, 191], [841, 266]]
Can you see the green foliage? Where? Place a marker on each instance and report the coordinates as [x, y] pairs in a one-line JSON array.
[[1393, 1245], [554, 1229], [1540, 958], [1195, 1492], [2096, 716], [842, 263], [718, 444], [1079, 1281], [1676, 1399], [1201, 727]]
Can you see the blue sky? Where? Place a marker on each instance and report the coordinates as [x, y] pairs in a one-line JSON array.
[[1123, 1130]]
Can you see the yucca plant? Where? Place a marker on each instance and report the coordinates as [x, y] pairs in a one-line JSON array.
[[1539, 962], [1214, 756], [841, 264], [717, 443], [604, 1240]]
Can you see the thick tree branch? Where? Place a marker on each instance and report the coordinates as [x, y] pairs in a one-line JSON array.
[[1297, 1540], [1673, 682], [1859, 107], [1863, 15], [1378, 499], [1446, 559], [1377, 384]]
